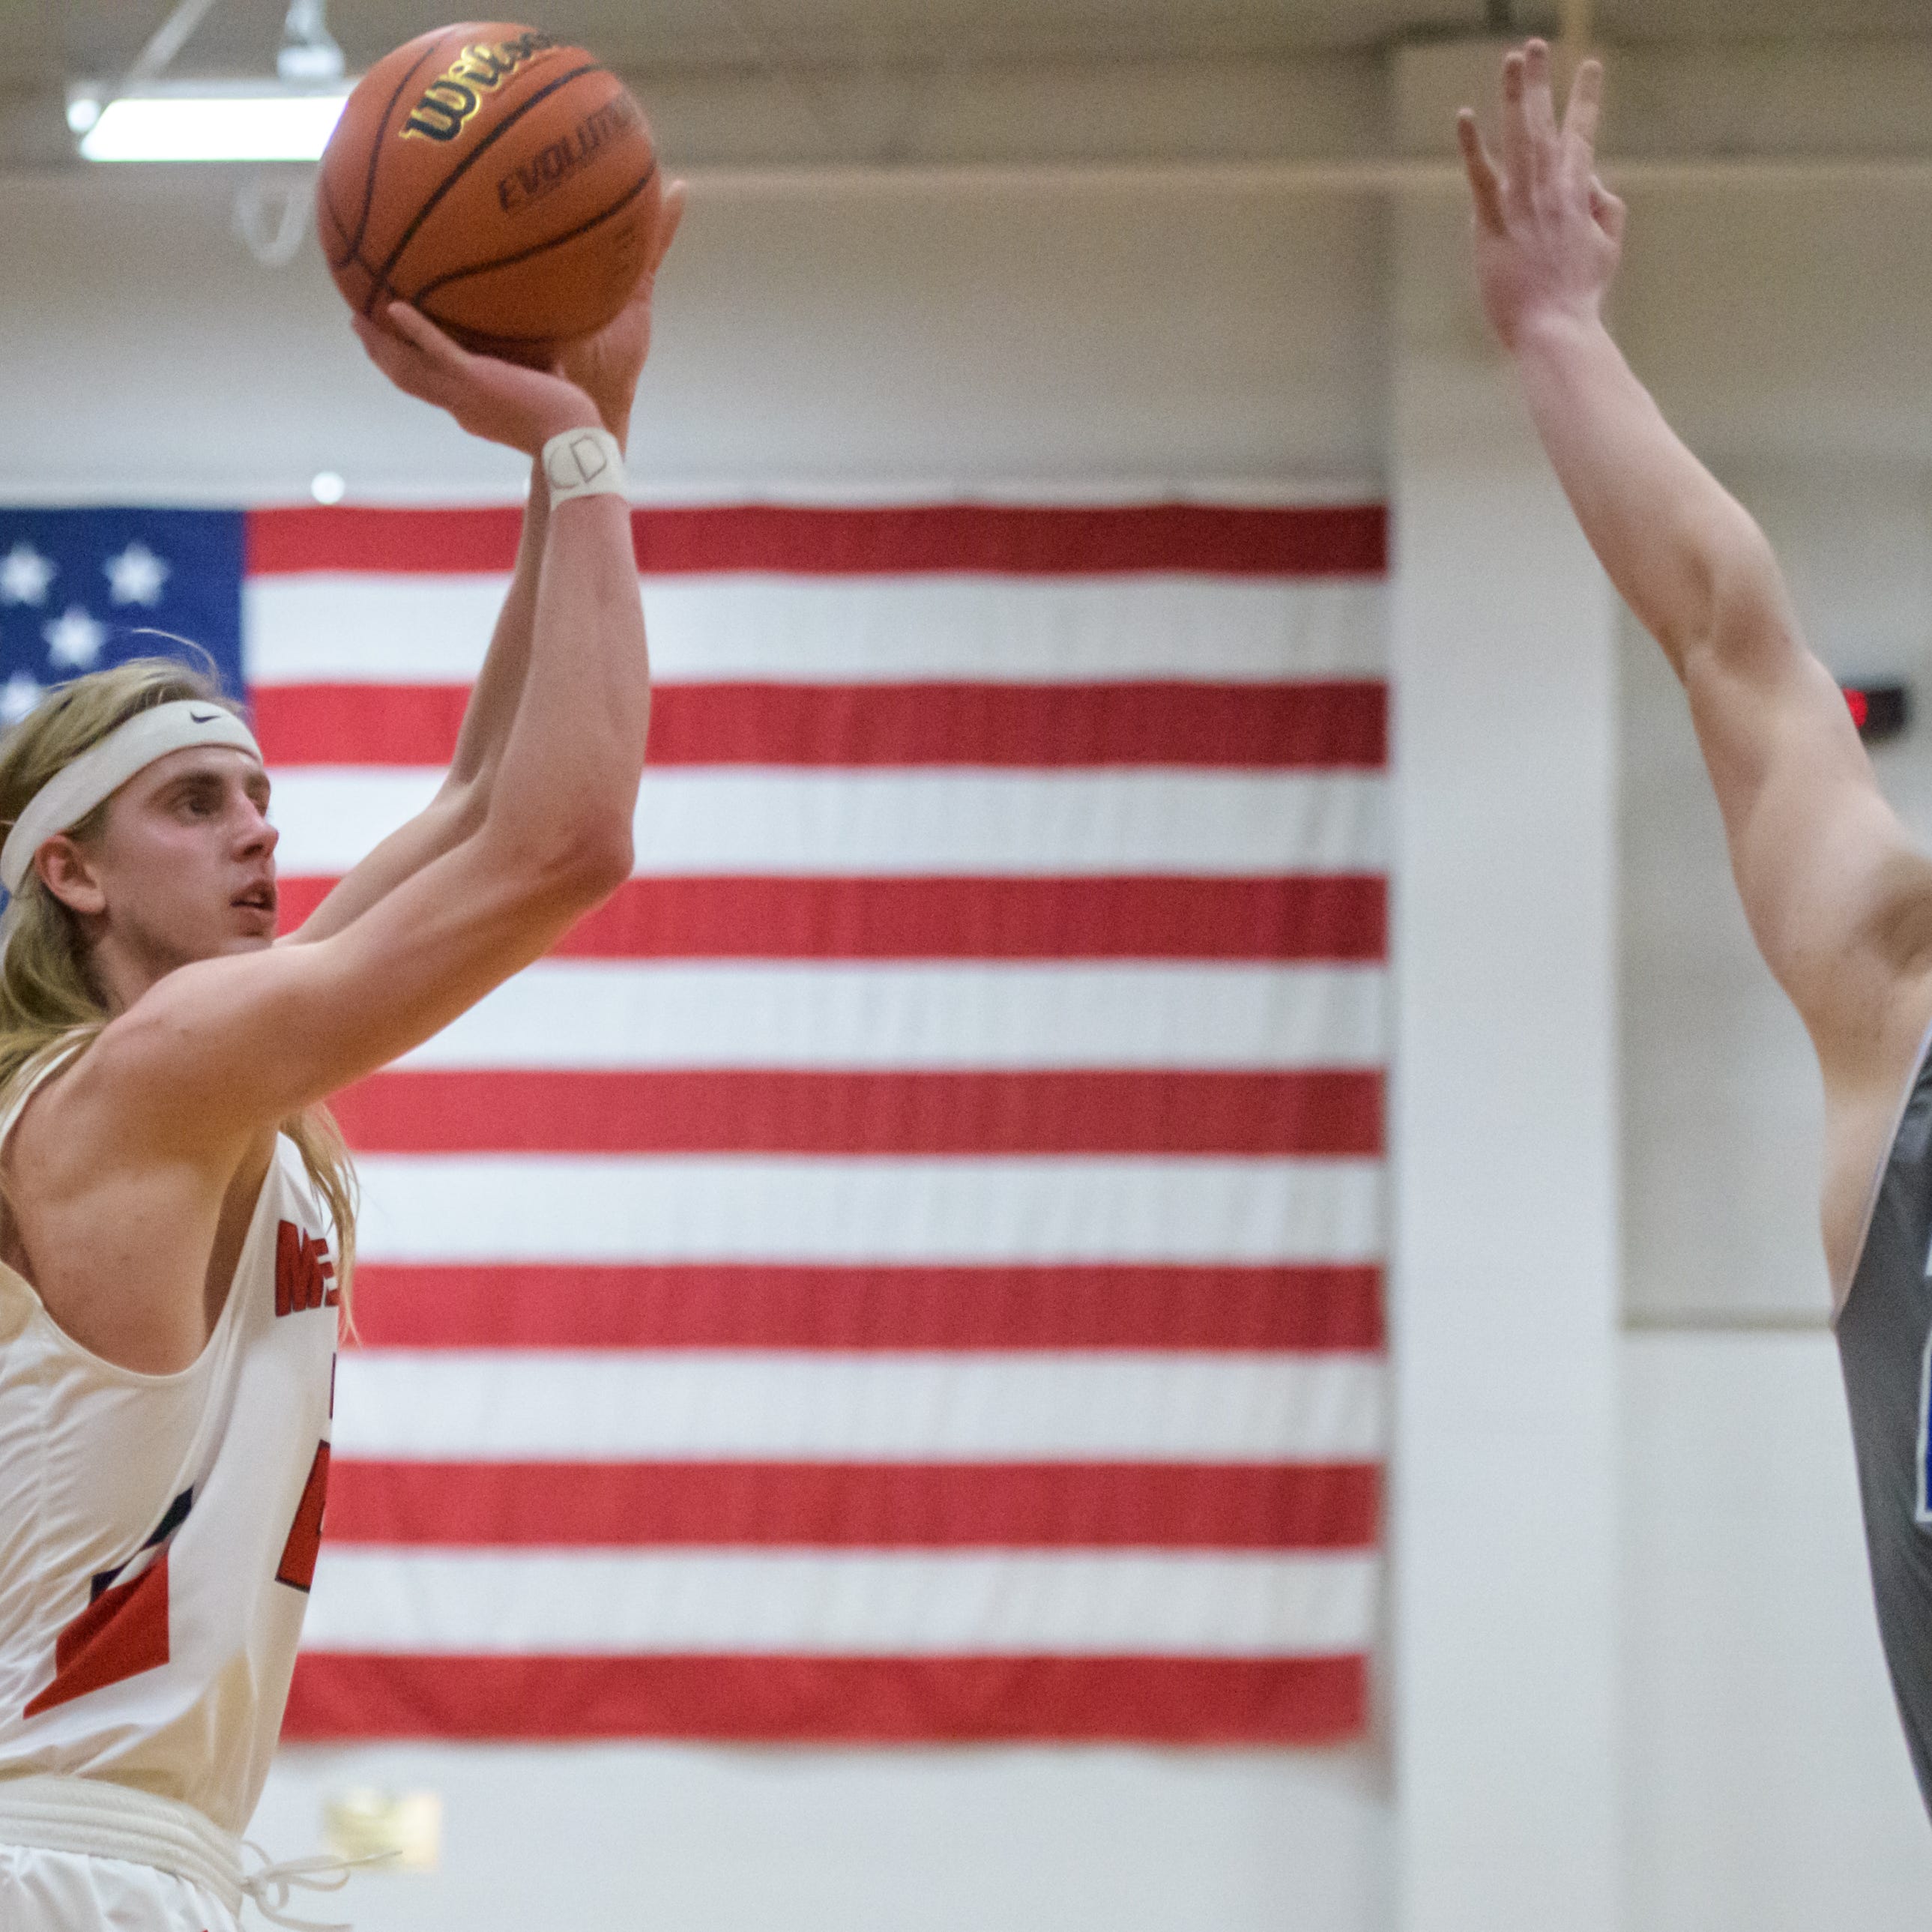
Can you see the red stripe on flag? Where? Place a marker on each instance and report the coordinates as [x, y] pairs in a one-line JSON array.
[[731, 1110], [998, 1505], [1286, 1700], [1340, 723], [1340, 917], [594, 1305], [1338, 540]]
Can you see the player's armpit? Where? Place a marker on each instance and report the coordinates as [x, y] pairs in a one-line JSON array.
[[1838, 896], [221, 1048]]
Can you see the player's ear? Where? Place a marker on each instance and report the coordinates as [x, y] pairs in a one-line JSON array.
[[66, 871]]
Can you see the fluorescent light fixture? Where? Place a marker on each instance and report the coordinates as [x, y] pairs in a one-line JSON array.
[[211, 123]]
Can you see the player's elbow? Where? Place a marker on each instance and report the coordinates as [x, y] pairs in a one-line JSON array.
[[589, 864], [577, 864], [603, 860], [1734, 616]]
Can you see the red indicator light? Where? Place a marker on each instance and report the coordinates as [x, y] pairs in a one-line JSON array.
[[1860, 706]]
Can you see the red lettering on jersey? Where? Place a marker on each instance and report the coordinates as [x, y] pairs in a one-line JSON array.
[[304, 1543], [122, 1633], [304, 1276]]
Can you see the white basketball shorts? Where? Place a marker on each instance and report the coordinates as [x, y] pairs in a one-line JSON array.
[[74, 1891]]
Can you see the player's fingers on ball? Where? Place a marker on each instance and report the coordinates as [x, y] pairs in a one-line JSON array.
[[669, 219], [420, 333], [393, 357]]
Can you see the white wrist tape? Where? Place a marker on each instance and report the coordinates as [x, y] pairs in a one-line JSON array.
[[584, 462]]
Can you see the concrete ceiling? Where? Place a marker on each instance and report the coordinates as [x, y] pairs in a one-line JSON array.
[[66, 39], [776, 83]]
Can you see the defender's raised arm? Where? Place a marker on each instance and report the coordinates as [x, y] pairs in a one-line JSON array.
[[1840, 901]]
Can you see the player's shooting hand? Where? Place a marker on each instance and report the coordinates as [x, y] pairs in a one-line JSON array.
[[606, 366], [502, 402], [1549, 234]]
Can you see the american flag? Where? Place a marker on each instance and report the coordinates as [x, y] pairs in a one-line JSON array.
[[908, 1267]]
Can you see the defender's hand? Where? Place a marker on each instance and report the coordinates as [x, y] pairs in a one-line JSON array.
[[1549, 234], [502, 402], [606, 366]]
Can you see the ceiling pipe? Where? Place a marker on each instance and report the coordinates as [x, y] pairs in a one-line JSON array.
[[1367, 175]]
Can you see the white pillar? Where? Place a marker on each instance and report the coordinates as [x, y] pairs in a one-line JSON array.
[[1504, 1121]]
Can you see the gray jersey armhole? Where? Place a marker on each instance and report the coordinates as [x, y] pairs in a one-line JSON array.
[[1840, 1302]]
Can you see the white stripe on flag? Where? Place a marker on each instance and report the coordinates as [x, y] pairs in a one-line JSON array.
[[620, 1014], [608, 1603], [374, 629], [555, 1208], [838, 824], [706, 1405]]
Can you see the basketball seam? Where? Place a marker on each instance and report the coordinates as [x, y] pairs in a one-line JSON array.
[[328, 209], [376, 152], [617, 207], [468, 161]]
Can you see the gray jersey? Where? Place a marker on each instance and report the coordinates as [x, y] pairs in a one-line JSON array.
[[1883, 1330]]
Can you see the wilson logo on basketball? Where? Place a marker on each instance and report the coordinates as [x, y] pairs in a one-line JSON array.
[[304, 1276], [449, 100], [550, 167]]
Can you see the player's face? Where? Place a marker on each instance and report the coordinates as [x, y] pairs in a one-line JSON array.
[[186, 861]]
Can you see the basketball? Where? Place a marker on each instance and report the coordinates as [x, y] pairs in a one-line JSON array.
[[503, 183]]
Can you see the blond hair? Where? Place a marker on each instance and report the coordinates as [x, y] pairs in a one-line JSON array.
[[49, 1002]]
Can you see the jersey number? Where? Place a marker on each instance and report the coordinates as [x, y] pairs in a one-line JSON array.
[[297, 1568]]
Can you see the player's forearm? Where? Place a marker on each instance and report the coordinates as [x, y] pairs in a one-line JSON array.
[[567, 782], [1684, 553], [499, 685]]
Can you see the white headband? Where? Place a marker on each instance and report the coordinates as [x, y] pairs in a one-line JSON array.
[[101, 770]]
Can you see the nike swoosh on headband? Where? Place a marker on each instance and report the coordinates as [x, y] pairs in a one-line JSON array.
[[74, 791]]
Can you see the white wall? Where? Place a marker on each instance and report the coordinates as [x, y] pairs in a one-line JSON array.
[[1103, 336], [1766, 1782]]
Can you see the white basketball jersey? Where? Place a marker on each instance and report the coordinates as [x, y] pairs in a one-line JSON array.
[[158, 1533]]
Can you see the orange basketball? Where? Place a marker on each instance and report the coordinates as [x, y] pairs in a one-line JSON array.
[[504, 184]]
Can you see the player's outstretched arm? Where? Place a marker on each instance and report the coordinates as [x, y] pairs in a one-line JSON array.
[[1840, 901], [606, 367]]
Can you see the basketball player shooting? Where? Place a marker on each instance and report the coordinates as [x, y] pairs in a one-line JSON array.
[[178, 1212], [1838, 897]]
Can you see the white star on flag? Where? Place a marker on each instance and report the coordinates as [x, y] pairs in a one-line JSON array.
[[25, 575], [74, 637], [18, 696], [136, 575]]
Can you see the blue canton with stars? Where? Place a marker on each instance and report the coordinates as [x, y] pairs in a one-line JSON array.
[[76, 585]]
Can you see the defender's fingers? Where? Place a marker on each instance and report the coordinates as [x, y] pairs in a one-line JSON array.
[[1539, 99], [1607, 211], [1586, 107], [1484, 187], [1519, 161]]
